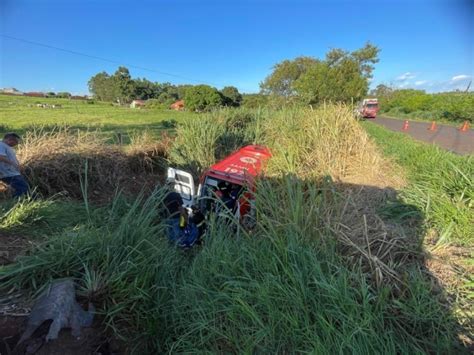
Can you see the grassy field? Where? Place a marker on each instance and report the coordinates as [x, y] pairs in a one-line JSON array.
[[21, 114], [338, 261]]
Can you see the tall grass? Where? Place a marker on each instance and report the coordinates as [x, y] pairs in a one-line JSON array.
[[276, 290], [313, 145], [40, 216], [321, 273], [441, 185], [309, 143], [326, 141], [55, 161], [196, 143]]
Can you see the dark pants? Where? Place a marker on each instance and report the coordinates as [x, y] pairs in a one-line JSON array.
[[18, 184], [174, 230]]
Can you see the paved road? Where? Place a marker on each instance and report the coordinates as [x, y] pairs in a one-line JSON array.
[[448, 137]]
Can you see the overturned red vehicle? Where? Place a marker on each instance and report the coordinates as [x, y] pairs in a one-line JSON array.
[[233, 176]]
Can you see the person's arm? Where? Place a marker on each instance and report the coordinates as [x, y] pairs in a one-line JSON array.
[[4, 159]]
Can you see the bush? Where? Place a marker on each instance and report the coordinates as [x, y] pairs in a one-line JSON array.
[[448, 106], [254, 100], [203, 98]]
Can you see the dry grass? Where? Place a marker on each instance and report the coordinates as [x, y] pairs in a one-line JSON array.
[[61, 160], [327, 141]]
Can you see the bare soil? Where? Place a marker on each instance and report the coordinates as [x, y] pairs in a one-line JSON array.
[[14, 311], [11, 246], [93, 340], [451, 271]]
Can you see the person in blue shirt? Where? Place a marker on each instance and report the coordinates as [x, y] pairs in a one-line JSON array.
[[10, 167]]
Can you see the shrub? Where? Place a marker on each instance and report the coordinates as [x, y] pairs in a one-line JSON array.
[[449, 106], [203, 98]]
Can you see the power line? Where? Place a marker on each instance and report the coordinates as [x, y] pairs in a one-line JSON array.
[[105, 59]]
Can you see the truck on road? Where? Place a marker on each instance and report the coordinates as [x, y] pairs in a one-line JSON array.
[[368, 108]]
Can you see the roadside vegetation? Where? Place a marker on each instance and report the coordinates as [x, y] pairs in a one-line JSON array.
[[452, 107], [336, 263], [441, 184]]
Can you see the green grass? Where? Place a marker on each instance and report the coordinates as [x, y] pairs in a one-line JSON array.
[[272, 291], [40, 217], [21, 114], [290, 285], [441, 184]]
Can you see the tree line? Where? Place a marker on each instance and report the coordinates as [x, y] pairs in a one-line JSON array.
[[342, 76], [120, 87]]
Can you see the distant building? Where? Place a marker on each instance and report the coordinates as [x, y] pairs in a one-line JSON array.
[[178, 105], [10, 91], [137, 103], [35, 94]]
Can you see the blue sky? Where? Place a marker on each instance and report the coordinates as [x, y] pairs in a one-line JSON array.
[[424, 44]]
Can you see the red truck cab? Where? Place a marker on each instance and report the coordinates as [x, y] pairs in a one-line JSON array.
[[237, 172], [369, 108]]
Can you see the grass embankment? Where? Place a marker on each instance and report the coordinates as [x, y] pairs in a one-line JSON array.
[[21, 114], [322, 272], [441, 184]]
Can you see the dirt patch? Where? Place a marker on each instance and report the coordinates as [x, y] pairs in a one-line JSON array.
[[450, 266], [452, 271], [93, 340], [12, 246]]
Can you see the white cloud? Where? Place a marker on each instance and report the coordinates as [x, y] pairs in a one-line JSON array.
[[460, 77], [420, 82], [403, 85], [405, 76]]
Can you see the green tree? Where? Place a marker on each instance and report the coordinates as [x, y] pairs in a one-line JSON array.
[[202, 98], [181, 91], [123, 85], [232, 96], [382, 91], [341, 81], [281, 81], [144, 89], [63, 95], [102, 87], [341, 76], [166, 99], [254, 100]]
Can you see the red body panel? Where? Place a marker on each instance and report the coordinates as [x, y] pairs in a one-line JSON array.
[[241, 167], [369, 113]]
